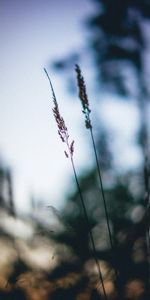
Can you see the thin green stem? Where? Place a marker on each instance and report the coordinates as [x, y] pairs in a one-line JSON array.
[[89, 229], [103, 196], [101, 186]]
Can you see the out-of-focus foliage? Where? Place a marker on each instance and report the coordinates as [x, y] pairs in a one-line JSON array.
[[118, 42], [118, 36]]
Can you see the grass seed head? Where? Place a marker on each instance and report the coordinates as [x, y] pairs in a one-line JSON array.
[[83, 97], [62, 128]]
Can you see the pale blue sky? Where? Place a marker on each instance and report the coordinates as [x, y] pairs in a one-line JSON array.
[[32, 34]]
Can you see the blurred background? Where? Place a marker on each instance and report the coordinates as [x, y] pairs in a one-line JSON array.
[[40, 204], [33, 35]]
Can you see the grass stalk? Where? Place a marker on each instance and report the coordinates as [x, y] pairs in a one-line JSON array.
[[63, 133], [89, 229], [86, 111], [101, 186]]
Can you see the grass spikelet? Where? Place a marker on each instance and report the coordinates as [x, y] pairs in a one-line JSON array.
[[62, 128], [83, 97]]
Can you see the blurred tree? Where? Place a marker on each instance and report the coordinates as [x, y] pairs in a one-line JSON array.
[[119, 41], [119, 45], [6, 190], [2, 176]]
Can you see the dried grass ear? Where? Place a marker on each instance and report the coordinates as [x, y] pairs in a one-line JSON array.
[[83, 97], [62, 128]]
